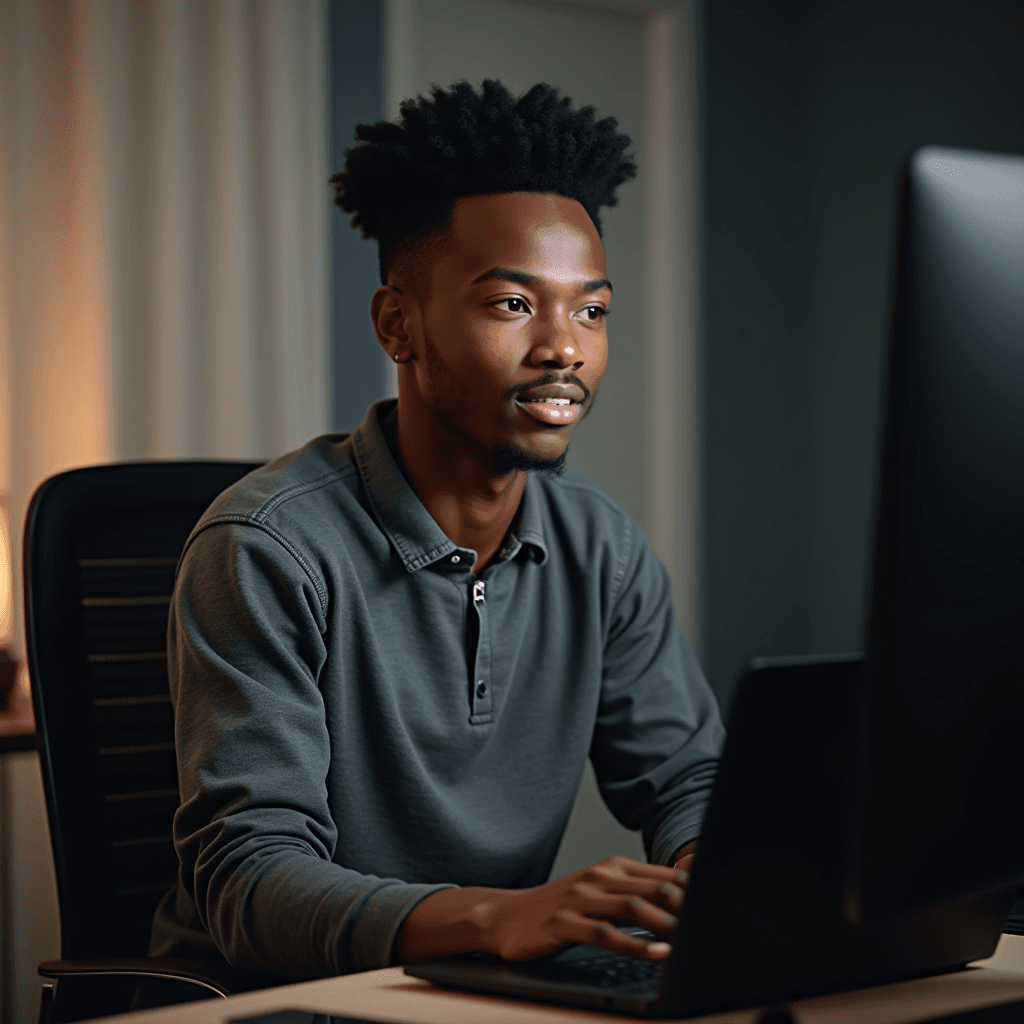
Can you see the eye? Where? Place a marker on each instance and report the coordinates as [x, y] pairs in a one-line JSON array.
[[513, 305], [595, 314]]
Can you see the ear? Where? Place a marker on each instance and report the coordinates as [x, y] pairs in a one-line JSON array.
[[393, 314]]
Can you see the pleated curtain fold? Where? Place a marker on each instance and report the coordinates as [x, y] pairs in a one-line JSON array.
[[164, 207], [163, 232]]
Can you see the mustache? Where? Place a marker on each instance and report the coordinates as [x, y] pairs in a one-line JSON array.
[[552, 377]]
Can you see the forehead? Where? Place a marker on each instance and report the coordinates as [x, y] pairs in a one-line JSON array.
[[550, 235]]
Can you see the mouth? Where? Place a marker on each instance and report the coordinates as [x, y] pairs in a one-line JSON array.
[[556, 404], [553, 411]]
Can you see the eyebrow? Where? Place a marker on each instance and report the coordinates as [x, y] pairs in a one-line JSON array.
[[519, 277]]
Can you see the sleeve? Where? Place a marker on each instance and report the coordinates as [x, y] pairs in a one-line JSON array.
[[659, 734], [254, 831]]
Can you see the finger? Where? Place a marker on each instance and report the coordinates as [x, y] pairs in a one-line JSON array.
[[683, 864], [623, 867], [579, 928], [636, 868], [667, 893], [633, 909]]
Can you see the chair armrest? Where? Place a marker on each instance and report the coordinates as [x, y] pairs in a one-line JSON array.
[[219, 980]]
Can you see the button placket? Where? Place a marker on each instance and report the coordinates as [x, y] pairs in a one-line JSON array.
[[481, 703]]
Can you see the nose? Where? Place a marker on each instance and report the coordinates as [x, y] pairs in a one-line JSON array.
[[556, 344]]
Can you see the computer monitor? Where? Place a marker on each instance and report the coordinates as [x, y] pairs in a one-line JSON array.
[[939, 814]]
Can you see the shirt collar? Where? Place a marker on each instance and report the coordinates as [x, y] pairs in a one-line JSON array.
[[411, 529], [531, 524]]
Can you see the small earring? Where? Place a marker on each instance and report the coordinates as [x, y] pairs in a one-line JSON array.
[[395, 358]]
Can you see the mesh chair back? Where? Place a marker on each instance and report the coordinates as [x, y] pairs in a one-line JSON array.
[[101, 546]]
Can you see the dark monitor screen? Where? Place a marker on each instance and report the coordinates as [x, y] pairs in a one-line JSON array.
[[941, 812]]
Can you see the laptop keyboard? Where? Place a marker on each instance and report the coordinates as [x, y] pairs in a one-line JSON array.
[[606, 971]]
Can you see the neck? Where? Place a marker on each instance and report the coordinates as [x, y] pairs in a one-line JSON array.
[[472, 505]]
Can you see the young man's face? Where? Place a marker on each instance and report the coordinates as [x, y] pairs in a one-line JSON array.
[[514, 339]]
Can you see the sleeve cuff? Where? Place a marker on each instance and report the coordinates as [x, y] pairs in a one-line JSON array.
[[376, 930], [665, 846]]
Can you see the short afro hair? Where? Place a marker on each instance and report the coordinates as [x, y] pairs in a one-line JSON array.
[[401, 183]]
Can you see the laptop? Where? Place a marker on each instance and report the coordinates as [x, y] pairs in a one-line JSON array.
[[864, 826], [763, 921]]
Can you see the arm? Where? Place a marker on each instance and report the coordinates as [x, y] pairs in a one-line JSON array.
[[254, 832], [658, 734]]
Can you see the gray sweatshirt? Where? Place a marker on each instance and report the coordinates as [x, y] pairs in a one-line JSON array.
[[360, 720]]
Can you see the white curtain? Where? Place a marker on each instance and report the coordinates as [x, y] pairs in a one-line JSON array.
[[163, 272], [163, 232], [215, 182]]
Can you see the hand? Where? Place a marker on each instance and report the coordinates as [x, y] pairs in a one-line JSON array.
[[580, 907], [518, 924]]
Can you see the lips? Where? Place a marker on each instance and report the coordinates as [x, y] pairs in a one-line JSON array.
[[566, 391], [556, 405], [549, 413]]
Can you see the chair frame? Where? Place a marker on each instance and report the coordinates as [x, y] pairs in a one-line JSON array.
[[52, 607]]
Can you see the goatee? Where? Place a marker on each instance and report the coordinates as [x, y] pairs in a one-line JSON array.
[[506, 458]]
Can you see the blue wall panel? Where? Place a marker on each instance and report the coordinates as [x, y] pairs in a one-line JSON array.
[[356, 96]]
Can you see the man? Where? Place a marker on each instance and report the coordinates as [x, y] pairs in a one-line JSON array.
[[392, 651]]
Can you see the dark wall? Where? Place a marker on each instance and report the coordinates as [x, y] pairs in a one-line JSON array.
[[810, 110], [356, 96]]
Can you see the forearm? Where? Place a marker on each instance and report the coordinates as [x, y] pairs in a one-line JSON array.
[[297, 916], [448, 922]]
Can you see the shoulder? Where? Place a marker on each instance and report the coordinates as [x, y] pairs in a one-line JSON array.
[[291, 503], [586, 522], [298, 479], [579, 500]]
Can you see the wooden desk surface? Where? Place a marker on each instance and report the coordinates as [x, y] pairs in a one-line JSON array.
[[389, 995]]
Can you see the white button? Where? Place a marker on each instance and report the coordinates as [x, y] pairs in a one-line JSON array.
[[455, 559]]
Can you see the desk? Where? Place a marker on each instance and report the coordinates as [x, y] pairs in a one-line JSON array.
[[389, 995]]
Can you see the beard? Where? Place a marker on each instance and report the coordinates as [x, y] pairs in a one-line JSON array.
[[506, 458]]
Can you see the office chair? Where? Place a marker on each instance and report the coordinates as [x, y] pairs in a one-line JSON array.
[[101, 546]]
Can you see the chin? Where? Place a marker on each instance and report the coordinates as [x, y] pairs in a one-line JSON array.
[[508, 457]]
